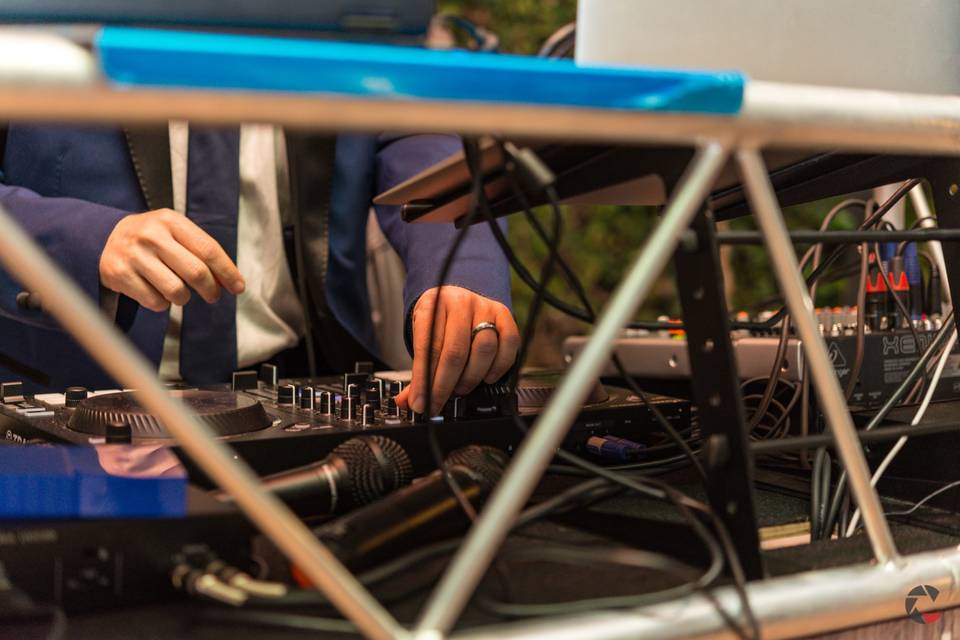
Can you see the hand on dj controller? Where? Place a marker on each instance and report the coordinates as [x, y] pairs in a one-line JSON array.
[[156, 257], [474, 339]]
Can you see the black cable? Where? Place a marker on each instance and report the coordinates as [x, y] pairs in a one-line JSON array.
[[783, 420], [925, 500], [815, 276], [832, 257], [649, 468], [432, 437], [815, 499], [901, 306], [821, 479], [861, 323], [274, 620], [870, 219], [902, 310], [578, 496], [776, 371], [668, 492], [587, 555], [574, 282], [916, 223]]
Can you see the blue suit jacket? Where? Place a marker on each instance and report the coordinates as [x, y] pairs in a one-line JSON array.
[[69, 186]]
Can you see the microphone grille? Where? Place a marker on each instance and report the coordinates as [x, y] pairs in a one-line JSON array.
[[486, 463], [375, 467]]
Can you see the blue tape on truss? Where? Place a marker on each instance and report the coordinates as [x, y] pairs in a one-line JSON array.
[[162, 58]]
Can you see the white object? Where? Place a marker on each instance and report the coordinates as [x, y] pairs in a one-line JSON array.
[[44, 58], [867, 44]]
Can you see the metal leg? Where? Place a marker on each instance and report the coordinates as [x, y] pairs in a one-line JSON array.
[[472, 560], [75, 311], [763, 201], [944, 177], [720, 412], [919, 200]]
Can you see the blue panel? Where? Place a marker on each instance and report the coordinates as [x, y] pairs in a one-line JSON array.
[[203, 60], [111, 481]]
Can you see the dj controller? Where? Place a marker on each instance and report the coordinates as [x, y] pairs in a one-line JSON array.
[[276, 424]]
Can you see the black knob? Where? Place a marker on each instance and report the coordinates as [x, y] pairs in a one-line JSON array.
[[454, 409], [349, 407], [268, 375], [325, 403], [392, 410], [394, 387], [307, 398], [372, 393], [244, 380], [363, 367], [286, 395], [369, 414], [119, 432], [75, 395], [354, 379]]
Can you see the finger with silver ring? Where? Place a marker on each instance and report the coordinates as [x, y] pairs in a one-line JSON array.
[[483, 351], [485, 326]]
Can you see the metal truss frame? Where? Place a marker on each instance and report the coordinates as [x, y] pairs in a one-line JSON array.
[[773, 116]]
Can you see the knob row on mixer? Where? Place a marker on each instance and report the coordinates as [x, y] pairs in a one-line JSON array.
[[365, 405]]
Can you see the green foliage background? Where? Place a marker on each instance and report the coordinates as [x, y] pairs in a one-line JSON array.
[[600, 241]]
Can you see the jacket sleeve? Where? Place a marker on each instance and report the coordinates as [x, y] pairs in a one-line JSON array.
[[479, 265], [72, 232]]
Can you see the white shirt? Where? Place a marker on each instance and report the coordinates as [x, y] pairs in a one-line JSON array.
[[270, 317]]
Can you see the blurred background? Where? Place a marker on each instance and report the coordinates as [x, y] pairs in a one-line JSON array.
[[600, 242]]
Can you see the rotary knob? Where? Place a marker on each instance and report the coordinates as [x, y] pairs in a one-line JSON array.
[[373, 392], [394, 387], [286, 395], [118, 432], [369, 414], [73, 396], [350, 405], [307, 398], [325, 403]]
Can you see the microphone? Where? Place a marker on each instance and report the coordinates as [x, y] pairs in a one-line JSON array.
[[356, 473], [424, 512]]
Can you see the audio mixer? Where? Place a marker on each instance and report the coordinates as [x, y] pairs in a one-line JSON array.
[[275, 424]]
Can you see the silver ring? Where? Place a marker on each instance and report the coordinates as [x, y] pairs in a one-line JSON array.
[[483, 326]]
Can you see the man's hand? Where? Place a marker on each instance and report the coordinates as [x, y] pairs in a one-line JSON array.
[[158, 256], [459, 361]]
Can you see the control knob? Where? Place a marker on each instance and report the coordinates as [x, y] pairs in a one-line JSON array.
[[73, 396]]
